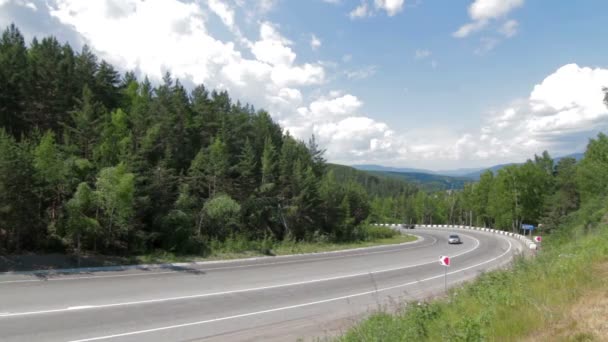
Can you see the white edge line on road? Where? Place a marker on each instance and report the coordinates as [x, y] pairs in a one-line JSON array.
[[160, 300], [85, 277], [392, 250], [119, 268], [288, 307]]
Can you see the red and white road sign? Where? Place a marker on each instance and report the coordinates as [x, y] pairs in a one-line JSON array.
[[538, 239], [444, 260]]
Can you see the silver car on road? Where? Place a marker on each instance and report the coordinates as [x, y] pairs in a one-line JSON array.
[[454, 239]]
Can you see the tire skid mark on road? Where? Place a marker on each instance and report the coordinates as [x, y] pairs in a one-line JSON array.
[[203, 295], [392, 250], [139, 332]]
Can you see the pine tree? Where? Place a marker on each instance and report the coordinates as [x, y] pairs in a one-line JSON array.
[[106, 87], [81, 223], [116, 140], [286, 167], [13, 81], [85, 68], [19, 211], [319, 163], [269, 165], [52, 172], [247, 169], [218, 167], [45, 106], [85, 124], [197, 174]]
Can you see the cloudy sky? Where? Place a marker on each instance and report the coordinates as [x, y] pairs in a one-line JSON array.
[[413, 83]]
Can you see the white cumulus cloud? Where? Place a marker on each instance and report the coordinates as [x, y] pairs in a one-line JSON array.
[[391, 7], [560, 113], [362, 73], [492, 9], [509, 28], [365, 9], [360, 11], [273, 48], [340, 127], [482, 11], [223, 11], [315, 42]]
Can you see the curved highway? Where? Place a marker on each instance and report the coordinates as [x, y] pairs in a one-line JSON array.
[[270, 299]]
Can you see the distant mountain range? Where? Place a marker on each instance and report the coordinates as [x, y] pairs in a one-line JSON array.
[[373, 167], [426, 181], [445, 179], [477, 173]]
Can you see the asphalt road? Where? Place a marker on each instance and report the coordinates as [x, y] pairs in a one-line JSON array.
[[269, 299]]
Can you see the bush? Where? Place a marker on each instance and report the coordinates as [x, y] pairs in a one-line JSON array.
[[371, 233]]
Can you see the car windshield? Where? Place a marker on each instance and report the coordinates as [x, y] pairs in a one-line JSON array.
[[453, 236]]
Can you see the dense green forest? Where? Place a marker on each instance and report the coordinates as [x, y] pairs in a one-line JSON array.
[[94, 160], [426, 181], [375, 184], [536, 192]]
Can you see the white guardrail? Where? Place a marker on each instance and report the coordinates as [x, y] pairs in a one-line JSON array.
[[525, 240]]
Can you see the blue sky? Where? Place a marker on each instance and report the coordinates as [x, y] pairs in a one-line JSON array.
[[422, 83]]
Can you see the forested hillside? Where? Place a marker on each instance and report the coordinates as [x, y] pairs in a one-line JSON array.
[[94, 160], [427, 181], [374, 184], [538, 192]]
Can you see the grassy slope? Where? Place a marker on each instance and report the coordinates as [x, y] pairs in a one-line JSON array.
[[281, 248], [236, 248], [534, 297]]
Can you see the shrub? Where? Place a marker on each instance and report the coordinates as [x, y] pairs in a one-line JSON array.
[[377, 233]]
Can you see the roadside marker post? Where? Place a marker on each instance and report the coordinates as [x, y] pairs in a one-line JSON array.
[[538, 239], [445, 262]]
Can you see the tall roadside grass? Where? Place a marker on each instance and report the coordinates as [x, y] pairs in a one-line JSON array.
[[239, 246], [505, 305]]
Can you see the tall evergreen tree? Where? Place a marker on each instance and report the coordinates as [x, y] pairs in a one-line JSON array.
[[13, 81], [20, 223], [52, 171], [85, 123], [218, 167], [247, 169], [269, 165]]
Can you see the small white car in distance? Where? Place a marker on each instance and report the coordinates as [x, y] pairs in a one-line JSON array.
[[454, 239]]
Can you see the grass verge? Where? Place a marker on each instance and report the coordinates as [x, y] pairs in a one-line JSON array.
[[240, 247], [233, 248], [533, 297]]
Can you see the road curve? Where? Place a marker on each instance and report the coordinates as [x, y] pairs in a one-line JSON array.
[[270, 299]]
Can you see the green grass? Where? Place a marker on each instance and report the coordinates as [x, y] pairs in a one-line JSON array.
[[506, 305], [241, 247], [311, 247]]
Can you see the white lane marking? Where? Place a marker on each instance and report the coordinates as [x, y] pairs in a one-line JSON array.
[[224, 267], [85, 277], [139, 332], [159, 300]]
